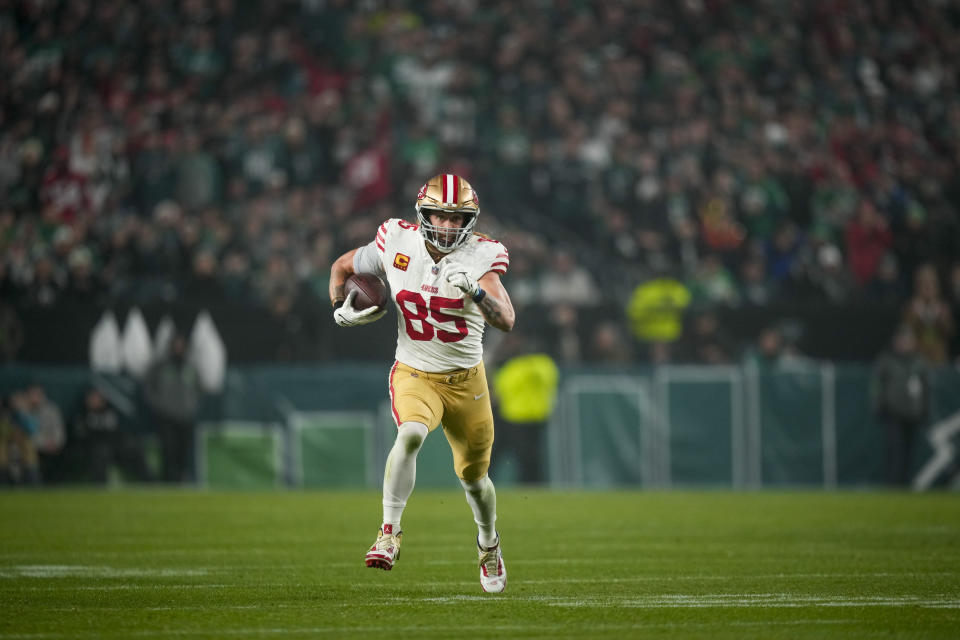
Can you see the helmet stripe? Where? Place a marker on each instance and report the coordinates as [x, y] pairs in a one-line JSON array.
[[448, 192]]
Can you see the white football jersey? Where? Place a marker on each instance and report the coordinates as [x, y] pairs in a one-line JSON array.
[[439, 328]]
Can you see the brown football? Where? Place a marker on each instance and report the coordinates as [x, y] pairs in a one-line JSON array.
[[371, 290]]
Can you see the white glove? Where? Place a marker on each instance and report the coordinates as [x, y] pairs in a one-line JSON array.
[[346, 316], [457, 275]]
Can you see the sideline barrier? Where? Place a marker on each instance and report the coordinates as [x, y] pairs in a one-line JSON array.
[[741, 427]]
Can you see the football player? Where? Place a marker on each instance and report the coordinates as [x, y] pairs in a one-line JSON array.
[[445, 282]]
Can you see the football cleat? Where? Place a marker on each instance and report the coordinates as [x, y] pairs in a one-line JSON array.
[[385, 550], [493, 572]]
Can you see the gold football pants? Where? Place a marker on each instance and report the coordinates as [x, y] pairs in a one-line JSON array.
[[459, 400]]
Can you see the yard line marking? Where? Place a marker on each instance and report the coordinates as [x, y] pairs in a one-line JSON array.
[[684, 578], [186, 607], [418, 629], [122, 587], [82, 571], [678, 601], [759, 600]]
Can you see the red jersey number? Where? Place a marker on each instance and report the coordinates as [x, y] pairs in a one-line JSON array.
[[415, 311]]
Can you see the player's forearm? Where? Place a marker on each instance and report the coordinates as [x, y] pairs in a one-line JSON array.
[[498, 313], [341, 269]]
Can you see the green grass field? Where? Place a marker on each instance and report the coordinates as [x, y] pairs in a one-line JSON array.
[[172, 564]]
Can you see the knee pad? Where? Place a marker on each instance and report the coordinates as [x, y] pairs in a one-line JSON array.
[[410, 436]]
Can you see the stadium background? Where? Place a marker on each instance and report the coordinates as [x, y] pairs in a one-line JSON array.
[[793, 169]]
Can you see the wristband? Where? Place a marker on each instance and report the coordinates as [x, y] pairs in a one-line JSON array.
[[481, 294]]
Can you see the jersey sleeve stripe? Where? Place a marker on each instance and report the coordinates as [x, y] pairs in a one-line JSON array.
[[382, 237], [500, 264], [503, 255], [500, 271]]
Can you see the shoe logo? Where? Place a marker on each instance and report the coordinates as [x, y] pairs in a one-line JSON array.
[[388, 528], [480, 396]]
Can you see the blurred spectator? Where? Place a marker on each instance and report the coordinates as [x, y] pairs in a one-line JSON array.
[[172, 393], [65, 191], [783, 251], [928, 315], [763, 200], [610, 344], [565, 332], [82, 284], [868, 239], [775, 346], [525, 388], [566, 282], [900, 394], [235, 275], [196, 174], [18, 453], [912, 239], [827, 275], [954, 290], [705, 342], [50, 436], [524, 280], [203, 284], [755, 289], [712, 283], [659, 353], [46, 284], [656, 310], [11, 333], [721, 231], [888, 286], [101, 444]]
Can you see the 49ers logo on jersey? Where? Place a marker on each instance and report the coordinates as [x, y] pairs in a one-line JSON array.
[[401, 261]]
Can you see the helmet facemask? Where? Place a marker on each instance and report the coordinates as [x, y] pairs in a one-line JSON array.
[[447, 193], [445, 239]]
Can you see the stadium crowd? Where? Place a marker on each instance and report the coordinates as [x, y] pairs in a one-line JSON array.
[[228, 149]]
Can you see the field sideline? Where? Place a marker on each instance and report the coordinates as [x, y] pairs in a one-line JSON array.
[[185, 564]]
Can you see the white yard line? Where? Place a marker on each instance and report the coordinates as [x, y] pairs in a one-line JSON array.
[[81, 571], [419, 629]]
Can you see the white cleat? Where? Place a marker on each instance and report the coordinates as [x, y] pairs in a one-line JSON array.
[[385, 550], [493, 572]]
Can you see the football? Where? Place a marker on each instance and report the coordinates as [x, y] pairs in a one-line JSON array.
[[371, 290]]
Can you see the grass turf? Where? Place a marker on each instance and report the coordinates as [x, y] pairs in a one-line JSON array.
[[184, 564]]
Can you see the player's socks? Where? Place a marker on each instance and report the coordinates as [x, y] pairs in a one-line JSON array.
[[482, 498], [400, 473]]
